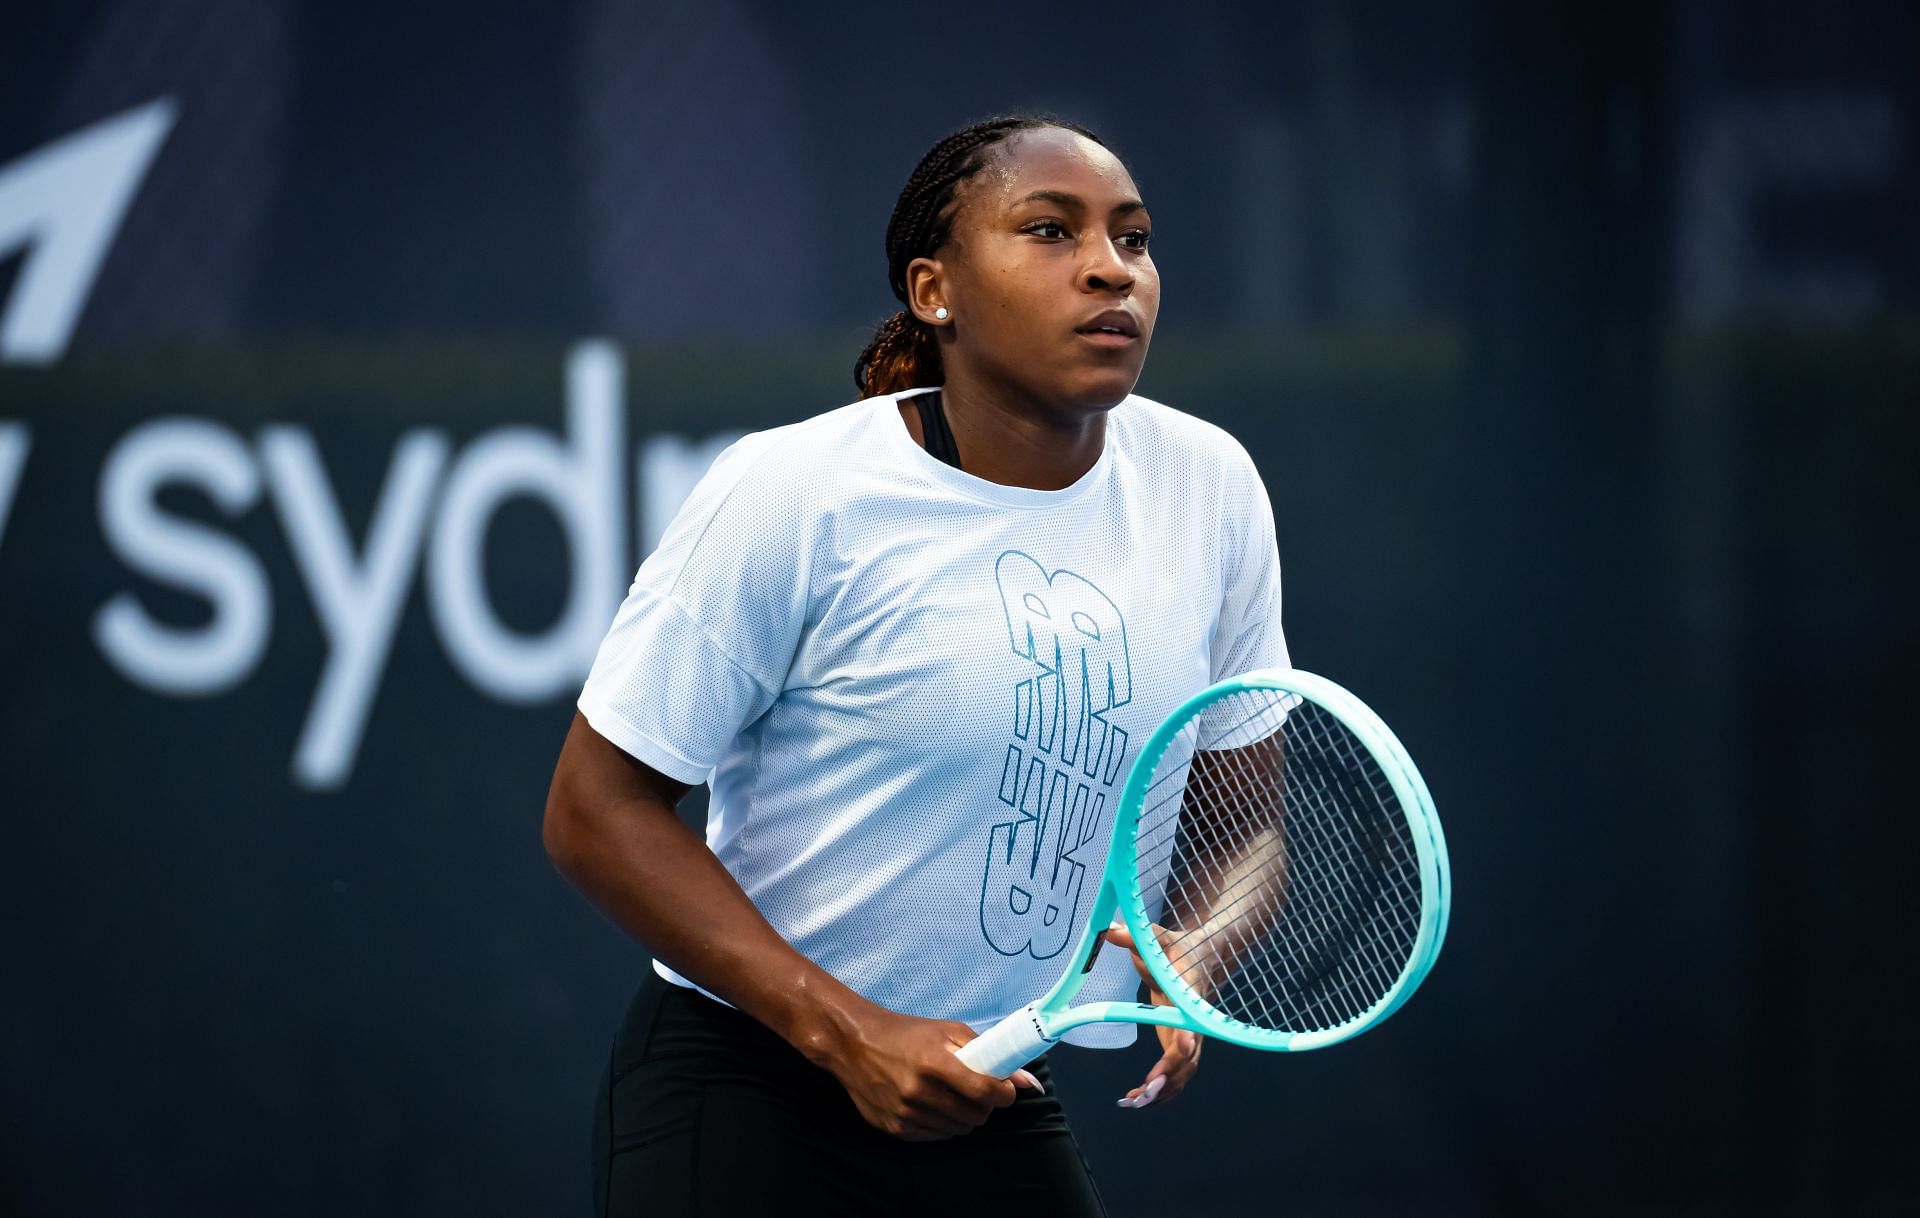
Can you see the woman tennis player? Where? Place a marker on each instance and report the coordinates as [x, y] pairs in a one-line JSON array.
[[910, 644]]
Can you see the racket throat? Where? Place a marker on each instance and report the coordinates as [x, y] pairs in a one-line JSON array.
[[1093, 954]]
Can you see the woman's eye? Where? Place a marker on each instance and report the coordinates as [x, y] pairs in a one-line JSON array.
[[1046, 228], [1136, 240]]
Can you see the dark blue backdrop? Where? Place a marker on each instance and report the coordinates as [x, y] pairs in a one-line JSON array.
[[350, 354]]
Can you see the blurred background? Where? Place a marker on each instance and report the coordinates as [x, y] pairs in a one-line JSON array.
[[352, 353]]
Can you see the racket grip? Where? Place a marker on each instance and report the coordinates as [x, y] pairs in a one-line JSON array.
[[1009, 1044]]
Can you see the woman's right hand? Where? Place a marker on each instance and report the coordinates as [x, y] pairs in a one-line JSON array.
[[903, 1076]]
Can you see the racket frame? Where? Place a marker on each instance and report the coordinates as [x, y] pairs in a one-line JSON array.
[[1031, 1030]]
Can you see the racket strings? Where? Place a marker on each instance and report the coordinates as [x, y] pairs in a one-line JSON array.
[[1274, 852], [1337, 905], [1336, 900]]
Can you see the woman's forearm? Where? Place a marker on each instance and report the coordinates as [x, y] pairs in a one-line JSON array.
[[611, 829]]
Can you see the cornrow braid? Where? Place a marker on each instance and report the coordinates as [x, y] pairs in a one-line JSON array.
[[904, 353]]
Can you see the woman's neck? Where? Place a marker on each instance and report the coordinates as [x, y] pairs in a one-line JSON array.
[[1014, 442]]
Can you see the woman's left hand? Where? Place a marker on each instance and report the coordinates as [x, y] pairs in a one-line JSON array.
[[1180, 1049]]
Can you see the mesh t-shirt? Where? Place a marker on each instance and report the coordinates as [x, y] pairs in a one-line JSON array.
[[916, 693]]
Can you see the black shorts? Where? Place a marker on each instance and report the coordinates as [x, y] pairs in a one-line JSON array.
[[706, 1111]]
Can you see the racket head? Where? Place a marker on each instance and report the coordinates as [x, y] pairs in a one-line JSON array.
[[1348, 910]]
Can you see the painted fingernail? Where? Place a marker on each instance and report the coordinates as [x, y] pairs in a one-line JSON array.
[[1148, 1094], [1026, 1079]]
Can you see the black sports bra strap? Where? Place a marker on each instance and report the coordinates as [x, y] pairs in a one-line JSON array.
[[937, 436]]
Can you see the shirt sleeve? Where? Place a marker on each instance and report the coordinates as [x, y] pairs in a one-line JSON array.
[[702, 644], [1248, 636]]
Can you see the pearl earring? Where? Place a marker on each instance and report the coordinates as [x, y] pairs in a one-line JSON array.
[[940, 314]]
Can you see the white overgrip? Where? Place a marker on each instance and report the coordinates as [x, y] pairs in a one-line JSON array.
[[1009, 1044]]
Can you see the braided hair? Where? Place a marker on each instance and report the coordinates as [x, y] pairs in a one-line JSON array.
[[904, 353]]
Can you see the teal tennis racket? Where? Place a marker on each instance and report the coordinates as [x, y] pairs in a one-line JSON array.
[[1278, 861]]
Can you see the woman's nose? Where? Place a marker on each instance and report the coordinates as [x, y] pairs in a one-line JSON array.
[[1104, 269]]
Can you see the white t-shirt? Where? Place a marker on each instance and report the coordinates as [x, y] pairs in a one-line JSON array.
[[916, 693]]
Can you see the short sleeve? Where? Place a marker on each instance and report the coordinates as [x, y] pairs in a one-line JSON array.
[[1248, 636], [702, 644]]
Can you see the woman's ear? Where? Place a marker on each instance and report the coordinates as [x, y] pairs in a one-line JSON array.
[[927, 291]]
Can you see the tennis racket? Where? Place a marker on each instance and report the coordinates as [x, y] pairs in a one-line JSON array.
[[1278, 861]]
